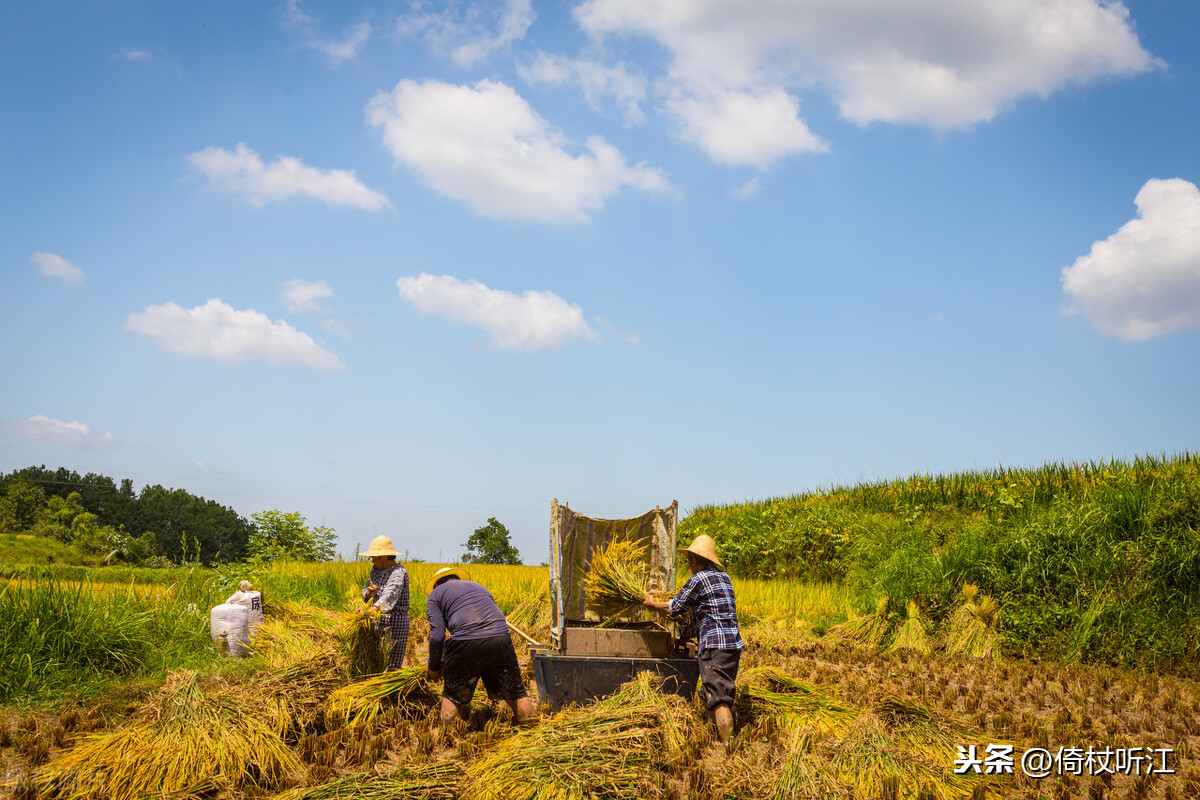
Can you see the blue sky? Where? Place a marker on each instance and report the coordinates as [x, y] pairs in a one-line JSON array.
[[402, 267]]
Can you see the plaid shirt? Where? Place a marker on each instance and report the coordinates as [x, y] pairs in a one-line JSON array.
[[709, 595]]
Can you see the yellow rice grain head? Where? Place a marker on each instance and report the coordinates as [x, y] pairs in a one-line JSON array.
[[969, 591]]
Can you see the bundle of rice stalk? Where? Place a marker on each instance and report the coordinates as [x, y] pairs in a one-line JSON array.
[[616, 749], [865, 631], [359, 703], [616, 580], [362, 645], [427, 782], [192, 736], [774, 692], [802, 776], [972, 630], [872, 762], [300, 688], [912, 633]]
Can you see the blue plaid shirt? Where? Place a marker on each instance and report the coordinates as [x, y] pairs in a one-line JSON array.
[[709, 595]]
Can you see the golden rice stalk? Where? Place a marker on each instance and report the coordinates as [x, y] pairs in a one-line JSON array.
[[865, 631], [616, 580], [872, 760], [359, 703], [969, 591], [611, 749], [427, 782], [912, 633], [972, 630], [183, 738], [772, 691], [362, 645]]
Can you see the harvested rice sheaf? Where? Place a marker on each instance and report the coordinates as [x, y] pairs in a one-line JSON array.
[[362, 645], [865, 631], [359, 703], [183, 738], [619, 748], [428, 782], [972, 628], [771, 691], [617, 578], [912, 634]]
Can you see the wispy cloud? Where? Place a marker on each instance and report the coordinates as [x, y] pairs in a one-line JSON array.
[[1144, 280], [746, 190], [468, 32], [220, 332], [733, 63], [131, 54], [243, 173], [485, 147], [597, 81], [42, 428], [50, 265], [337, 49], [303, 297], [531, 320]]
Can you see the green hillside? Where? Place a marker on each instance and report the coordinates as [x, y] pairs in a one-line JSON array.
[[1097, 562]]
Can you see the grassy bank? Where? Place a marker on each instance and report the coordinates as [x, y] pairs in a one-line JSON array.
[[1092, 562]]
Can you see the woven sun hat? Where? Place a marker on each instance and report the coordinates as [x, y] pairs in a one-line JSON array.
[[704, 546], [446, 572], [380, 546]]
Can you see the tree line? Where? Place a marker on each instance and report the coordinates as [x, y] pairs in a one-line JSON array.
[[114, 522]]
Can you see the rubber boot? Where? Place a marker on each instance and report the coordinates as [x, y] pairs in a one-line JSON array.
[[724, 719]]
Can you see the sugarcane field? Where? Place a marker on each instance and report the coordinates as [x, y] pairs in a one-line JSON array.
[[888, 653]]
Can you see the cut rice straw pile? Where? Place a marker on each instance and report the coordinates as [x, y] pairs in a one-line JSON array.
[[866, 631], [362, 645], [183, 738], [773, 692], [614, 749], [912, 633], [428, 782], [616, 580], [972, 629], [359, 703]]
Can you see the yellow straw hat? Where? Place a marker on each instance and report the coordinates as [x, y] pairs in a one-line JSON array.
[[458, 572], [380, 546], [704, 546]]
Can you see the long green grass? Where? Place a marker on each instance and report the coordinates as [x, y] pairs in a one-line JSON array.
[[1045, 542], [60, 638]]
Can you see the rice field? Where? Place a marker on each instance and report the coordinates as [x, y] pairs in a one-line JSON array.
[[832, 703]]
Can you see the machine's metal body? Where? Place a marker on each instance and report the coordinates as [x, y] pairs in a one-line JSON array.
[[586, 661]]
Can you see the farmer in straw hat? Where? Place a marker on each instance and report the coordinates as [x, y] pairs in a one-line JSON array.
[[708, 594], [387, 588], [479, 647]]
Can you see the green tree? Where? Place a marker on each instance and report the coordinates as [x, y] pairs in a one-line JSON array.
[[278, 534], [20, 505], [491, 544]]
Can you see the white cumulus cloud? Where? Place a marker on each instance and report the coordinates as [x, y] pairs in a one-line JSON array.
[[531, 320], [468, 31], [243, 173], [744, 128], [934, 63], [44, 428], [218, 331], [50, 265], [485, 147], [1144, 280]]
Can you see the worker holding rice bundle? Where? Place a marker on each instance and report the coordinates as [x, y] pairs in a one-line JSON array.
[[708, 594], [387, 589], [468, 640]]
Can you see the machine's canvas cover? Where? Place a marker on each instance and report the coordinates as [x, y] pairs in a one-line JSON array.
[[575, 537]]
